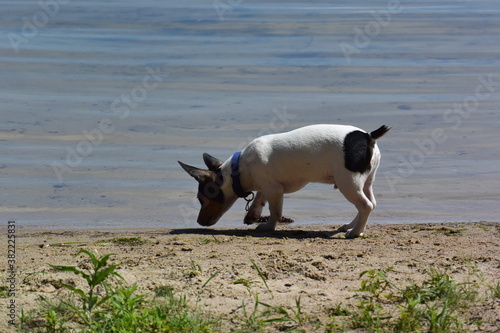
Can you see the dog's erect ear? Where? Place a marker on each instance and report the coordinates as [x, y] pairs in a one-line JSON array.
[[212, 163], [200, 175]]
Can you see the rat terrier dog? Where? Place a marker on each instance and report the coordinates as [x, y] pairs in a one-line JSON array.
[[275, 164]]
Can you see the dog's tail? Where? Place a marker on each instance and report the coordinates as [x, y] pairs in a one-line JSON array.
[[379, 132]]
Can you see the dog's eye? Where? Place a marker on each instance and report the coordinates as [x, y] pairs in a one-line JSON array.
[[211, 190]]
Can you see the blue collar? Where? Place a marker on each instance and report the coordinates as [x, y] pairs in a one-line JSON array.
[[235, 176]]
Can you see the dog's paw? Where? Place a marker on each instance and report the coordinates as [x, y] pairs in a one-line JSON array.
[[286, 220], [350, 234], [249, 220], [343, 228]]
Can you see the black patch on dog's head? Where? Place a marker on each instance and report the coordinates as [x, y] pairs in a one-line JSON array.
[[358, 151]]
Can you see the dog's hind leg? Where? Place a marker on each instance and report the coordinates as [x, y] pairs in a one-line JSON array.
[[347, 227], [368, 186], [368, 191], [365, 207], [356, 195], [255, 210]]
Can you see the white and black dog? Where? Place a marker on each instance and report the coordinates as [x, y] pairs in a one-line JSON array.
[[275, 164]]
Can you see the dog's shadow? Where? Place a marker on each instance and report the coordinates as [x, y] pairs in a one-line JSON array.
[[279, 234]]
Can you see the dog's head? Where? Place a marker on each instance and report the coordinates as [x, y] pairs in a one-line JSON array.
[[214, 191]]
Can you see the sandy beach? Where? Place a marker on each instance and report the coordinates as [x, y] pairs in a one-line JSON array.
[[311, 262], [100, 99]]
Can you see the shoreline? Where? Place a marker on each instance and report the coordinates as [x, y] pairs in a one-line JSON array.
[[157, 226]]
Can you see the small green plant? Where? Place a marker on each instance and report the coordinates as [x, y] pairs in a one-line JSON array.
[[193, 270], [4, 291], [434, 306], [261, 275], [57, 314], [112, 307], [260, 315], [437, 303], [340, 316], [163, 291], [94, 277], [495, 289], [297, 315], [441, 318], [217, 272], [449, 231], [338, 311], [210, 240], [369, 316], [376, 283], [120, 313], [440, 286], [246, 283], [132, 241], [254, 320]]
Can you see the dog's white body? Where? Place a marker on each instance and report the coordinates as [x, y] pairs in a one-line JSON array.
[[283, 163]]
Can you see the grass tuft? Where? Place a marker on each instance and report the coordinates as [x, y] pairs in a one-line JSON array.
[[132, 241], [436, 305], [448, 231], [113, 307]]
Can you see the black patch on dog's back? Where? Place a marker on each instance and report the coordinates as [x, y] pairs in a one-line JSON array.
[[358, 151]]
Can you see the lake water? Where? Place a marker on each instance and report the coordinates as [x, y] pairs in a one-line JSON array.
[[100, 99]]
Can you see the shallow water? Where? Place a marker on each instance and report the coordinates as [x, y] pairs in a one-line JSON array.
[[99, 99]]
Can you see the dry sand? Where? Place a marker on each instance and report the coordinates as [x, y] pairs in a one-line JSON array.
[[311, 262]]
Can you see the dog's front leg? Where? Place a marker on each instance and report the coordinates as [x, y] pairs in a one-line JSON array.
[[255, 211], [275, 199]]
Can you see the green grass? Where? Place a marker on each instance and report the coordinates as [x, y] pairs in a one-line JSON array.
[[132, 241], [164, 291], [259, 316], [107, 304], [495, 289], [129, 241], [4, 291], [194, 270], [437, 305], [261, 275], [262, 317], [449, 231]]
